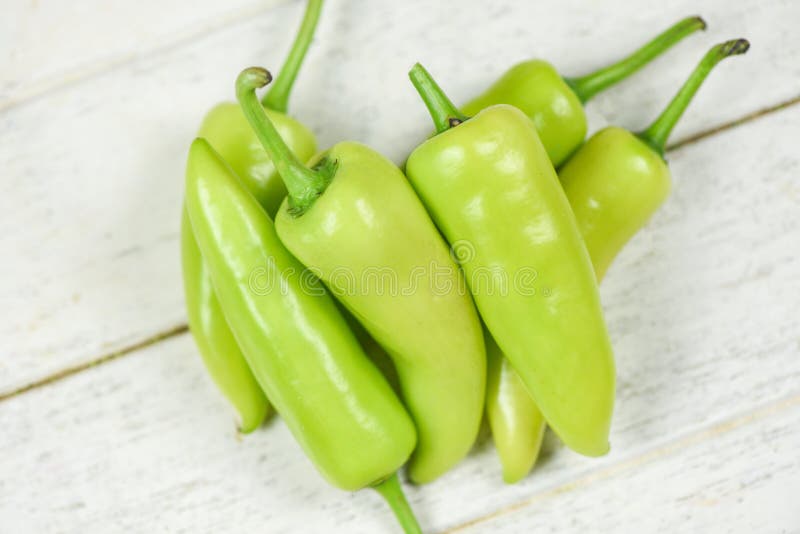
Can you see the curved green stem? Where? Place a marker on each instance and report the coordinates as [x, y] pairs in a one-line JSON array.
[[444, 114], [591, 84], [392, 493], [277, 97], [303, 185], [657, 133]]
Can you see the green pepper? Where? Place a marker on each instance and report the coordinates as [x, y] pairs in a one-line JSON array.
[[614, 184], [555, 104], [221, 355], [516, 423], [227, 130], [373, 349], [617, 180], [354, 219], [226, 127], [490, 187], [299, 347]]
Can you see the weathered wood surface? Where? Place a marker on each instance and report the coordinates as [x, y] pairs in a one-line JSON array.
[[706, 339], [93, 167], [702, 305]]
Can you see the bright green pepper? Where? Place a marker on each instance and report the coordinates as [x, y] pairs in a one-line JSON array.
[[555, 104], [373, 349], [617, 180], [299, 347], [218, 348], [489, 186], [226, 128], [228, 131], [516, 423], [614, 184], [356, 221]]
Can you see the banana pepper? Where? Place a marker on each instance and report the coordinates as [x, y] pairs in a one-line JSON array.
[[353, 218], [490, 187]]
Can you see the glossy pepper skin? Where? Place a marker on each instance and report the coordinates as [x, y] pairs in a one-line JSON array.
[[516, 423], [373, 349], [223, 359], [356, 221], [226, 128], [614, 184], [618, 179], [488, 183], [555, 104], [296, 342], [228, 131]]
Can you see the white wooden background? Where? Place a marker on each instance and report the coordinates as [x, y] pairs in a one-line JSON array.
[[107, 420]]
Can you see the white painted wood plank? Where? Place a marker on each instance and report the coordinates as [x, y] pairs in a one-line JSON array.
[[144, 444], [47, 43], [702, 310], [740, 476], [701, 305], [736, 86], [92, 172], [90, 200]]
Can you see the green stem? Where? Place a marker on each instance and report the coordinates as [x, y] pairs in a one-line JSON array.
[[657, 133], [303, 185], [277, 98], [392, 493], [444, 114], [588, 86]]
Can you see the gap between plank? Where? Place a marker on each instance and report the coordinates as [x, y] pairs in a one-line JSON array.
[[733, 124], [182, 328], [715, 430], [111, 356]]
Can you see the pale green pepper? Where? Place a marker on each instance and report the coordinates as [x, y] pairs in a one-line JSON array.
[[333, 399], [614, 184], [516, 423], [221, 355], [555, 104], [354, 219], [490, 187], [227, 130]]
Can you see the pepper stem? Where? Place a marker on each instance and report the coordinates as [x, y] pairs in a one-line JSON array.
[[277, 98], [444, 114], [392, 493], [302, 184], [657, 133], [585, 87]]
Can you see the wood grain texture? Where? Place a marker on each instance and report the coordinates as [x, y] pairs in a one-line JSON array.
[[702, 311], [47, 44], [737, 476], [93, 169]]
